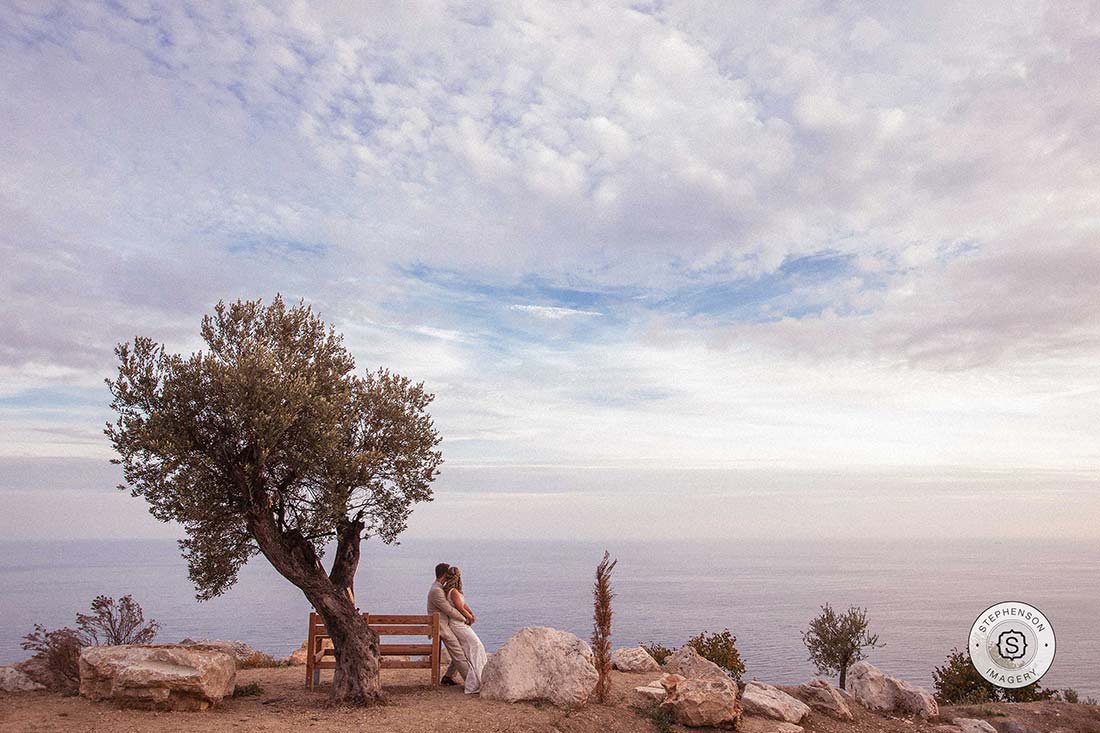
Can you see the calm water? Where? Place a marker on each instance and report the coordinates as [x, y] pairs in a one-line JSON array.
[[921, 597]]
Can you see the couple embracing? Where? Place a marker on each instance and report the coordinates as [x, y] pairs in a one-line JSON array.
[[455, 619]]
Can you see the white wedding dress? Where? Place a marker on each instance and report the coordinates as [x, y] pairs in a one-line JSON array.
[[475, 654]]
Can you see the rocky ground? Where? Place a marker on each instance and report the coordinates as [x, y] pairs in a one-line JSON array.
[[416, 707]]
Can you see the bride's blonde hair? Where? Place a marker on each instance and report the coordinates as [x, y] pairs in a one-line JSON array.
[[452, 579]]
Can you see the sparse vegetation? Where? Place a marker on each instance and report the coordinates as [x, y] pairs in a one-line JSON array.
[[58, 651], [601, 625], [109, 623], [259, 660], [836, 641], [958, 683], [720, 648], [112, 623], [660, 652], [658, 717], [250, 690]]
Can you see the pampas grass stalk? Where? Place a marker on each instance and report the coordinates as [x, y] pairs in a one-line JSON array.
[[601, 627]]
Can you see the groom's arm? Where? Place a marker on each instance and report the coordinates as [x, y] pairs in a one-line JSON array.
[[444, 606]]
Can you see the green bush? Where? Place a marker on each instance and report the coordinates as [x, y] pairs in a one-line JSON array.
[[660, 652], [250, 690], [720, 648], [958, 683]]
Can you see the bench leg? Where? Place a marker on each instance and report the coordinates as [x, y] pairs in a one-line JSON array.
[[316, 677]]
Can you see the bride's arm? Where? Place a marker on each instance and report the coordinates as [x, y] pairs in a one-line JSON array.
[[459, 602]]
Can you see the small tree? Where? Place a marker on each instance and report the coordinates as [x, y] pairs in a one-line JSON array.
[[601, 625], [269, 443], [836, 641], [110, 623]]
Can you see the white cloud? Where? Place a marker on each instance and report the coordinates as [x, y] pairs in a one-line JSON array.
[[559, 165]]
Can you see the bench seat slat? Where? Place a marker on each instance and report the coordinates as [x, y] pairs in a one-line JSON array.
[[383, 619], [401, 630]]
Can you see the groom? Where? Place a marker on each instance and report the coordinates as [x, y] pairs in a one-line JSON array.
[[438, 603]]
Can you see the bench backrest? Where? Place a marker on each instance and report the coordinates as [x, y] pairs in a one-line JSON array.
[[320, 655]]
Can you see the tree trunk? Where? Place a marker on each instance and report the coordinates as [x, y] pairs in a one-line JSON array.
[[843, 676], [356, 680]]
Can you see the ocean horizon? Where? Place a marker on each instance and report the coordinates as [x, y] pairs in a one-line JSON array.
[[921, 596]]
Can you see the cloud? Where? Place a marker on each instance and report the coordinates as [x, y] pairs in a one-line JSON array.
[[552, 312], [607, 233]]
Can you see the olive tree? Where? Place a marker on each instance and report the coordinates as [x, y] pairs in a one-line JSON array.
[[268, 442], [836, 640]]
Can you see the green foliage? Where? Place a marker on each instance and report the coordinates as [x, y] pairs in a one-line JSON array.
[[269, 434], [660, 652], [1070, 695], [250, 690], [836, 640], [659, 718], [958, 683], [112, 623], [720, 648], [601, 625]]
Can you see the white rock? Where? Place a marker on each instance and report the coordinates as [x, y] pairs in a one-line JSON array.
[[687, 662], [13, 680], [242, 653], [633, 659], [651, 692], [973, 725], [880, 692], [771, 702], [162, 677], [823, 697], [766, 725], [707, 702], [540, 663]]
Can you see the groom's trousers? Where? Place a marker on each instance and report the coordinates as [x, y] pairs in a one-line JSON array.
[[454, 649]]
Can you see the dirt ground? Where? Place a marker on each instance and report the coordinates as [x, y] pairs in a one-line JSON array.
[[416, 707]]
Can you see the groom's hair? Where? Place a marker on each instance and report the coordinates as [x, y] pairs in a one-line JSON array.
[[441, 569]]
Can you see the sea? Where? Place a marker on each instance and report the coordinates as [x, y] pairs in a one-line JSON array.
[[921, 596]]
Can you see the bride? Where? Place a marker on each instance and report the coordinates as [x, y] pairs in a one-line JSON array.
[[467, 637]]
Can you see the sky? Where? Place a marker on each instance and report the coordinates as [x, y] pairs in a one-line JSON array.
[[672, 270]]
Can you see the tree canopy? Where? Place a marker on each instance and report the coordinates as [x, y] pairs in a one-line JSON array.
[[269, 428]]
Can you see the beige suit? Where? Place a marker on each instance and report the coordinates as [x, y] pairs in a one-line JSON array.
[[438, 603]]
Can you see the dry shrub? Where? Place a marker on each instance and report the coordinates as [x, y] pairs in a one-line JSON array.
[[660, 652], [57, 655], [56, 660], [601, 626], [259, 660]]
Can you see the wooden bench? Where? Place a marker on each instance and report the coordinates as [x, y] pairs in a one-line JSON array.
[[318, 657]]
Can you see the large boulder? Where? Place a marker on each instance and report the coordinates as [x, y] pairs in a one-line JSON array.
[[159, 677], [686, 662], [15, 680], [771, 702], [709, 702], [825, 698], [634, 659], [242, 653], [882, 693], [540, 663], [973, 725]]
